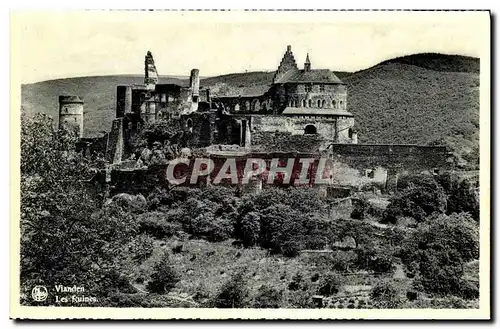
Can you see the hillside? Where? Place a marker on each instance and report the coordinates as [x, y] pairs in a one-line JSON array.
[[439, 62], [98, 92], [413, 99], [395, 102]]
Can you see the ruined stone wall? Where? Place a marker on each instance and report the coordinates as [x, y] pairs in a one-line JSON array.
[[331, 129], [411, 157], [286, 142], [123, 100], [163, 103], [350, 167], [115, 142]]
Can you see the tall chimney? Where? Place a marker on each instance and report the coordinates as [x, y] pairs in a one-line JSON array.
[[194, 82]]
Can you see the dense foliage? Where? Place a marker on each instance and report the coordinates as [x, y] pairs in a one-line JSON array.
[[437, 251], [66, 236]]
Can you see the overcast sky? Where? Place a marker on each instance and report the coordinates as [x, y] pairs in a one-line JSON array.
[[69, 44]]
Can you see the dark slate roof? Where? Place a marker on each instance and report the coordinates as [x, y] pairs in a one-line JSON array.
[[315, 111], [247, 91], [312, 76]]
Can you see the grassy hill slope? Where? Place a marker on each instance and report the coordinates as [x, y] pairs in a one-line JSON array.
[[98, 92], [395, 102], [413, 99]]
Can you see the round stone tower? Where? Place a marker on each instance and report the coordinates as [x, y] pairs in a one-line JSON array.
[[71, 113]]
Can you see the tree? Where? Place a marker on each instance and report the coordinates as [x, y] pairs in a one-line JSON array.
[[65, 237], [329, 285], [386, 294], [360, 232], [268, 297], [420, 195], [282, 230], [164, 276], [461, 193], [232, 294], [250, 229], [438, 250]]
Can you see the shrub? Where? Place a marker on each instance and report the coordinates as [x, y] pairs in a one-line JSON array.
[[141, 247], [156, 224], [461, 193], [164, 276], [281, 230], [438, 250], [375, 260], [385, 294], [419, 196], [360, 206], [469, 290], [268, 297], [232, 293], [131, 203], [342, 261], [452, 302], [212, 228], [329, 285], [218, 194], [250, 229], [296, 282], [361, 232], [291, 248]]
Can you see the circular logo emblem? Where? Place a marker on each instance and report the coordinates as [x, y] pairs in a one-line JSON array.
[[39, 293]]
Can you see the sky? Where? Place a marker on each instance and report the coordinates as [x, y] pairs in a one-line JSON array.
[[62, 44]]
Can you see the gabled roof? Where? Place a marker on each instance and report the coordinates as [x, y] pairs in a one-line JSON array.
[[315, 111], [311, 76]]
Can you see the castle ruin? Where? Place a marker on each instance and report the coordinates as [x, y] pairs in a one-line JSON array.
[[301, 110]]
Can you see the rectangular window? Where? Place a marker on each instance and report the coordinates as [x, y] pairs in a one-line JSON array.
[[321, 88]]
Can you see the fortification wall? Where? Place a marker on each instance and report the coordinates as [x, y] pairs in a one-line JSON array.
[[353, 167], [329, 128]]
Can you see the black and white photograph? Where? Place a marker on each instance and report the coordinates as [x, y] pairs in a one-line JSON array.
[[287, 164]]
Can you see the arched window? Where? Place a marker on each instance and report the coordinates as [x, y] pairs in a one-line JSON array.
[[350, 132], [189, 123], [323, 103], [309, 103], [319, 103], [255, 105], [236, 107], [303, 103], [341, 103], [310, 130], [334, 104], [247, 106]]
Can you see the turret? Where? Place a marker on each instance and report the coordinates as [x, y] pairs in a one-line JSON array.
[[71, 114], [307, 64]]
